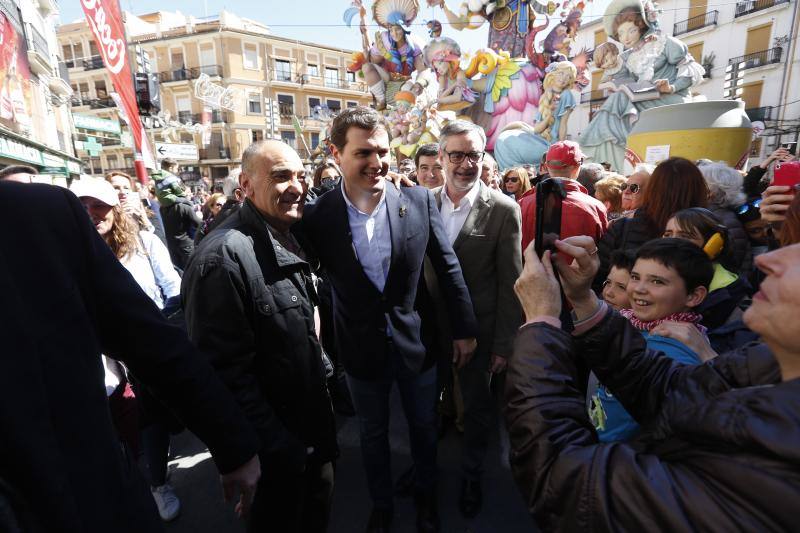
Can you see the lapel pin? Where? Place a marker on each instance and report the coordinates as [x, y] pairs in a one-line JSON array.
[[402, 211]]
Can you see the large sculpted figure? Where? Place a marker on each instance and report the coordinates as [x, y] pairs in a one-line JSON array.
[[388, 64], [647, 56], [510, 20]]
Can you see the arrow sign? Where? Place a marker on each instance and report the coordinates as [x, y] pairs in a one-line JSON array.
[[180, 152]]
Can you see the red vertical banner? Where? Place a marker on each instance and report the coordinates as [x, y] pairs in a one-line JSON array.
[[105, 21]]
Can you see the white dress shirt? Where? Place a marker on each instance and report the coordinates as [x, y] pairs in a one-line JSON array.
[[454, 217], [372, 239]]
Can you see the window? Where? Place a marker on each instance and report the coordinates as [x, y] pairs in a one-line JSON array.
[[312, 103], [253, 103], [286, 105], [250, 56], [283, 70], [331, 77], [351, 104], [600, 37], [334, 105], [313, 70], [289, 138], [84, 91], [257, 135], [208, 60], [314, 140], [351, 76], [100, 89]]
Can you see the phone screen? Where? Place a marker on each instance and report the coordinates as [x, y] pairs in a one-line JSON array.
[[549, 195], [791, 147]]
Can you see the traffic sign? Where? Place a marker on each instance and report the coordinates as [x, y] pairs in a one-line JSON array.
[[181, 152]]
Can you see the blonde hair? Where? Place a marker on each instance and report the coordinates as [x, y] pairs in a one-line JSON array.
[[546, 102], [123, 237], [609, 189]]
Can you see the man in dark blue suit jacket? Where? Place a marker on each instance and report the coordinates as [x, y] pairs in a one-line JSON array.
[[372, 239]]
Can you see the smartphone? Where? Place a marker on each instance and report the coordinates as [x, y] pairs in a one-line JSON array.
[[787, 173], [549, 197], [791, 147]]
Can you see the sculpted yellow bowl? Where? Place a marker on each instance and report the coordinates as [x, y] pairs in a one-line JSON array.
[[718, 130]]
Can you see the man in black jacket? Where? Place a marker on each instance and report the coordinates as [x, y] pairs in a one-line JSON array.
[[179, 217], [66, 299], [249, 302], [721, 441]]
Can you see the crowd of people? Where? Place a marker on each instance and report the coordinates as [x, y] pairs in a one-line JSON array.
[[648, 366]]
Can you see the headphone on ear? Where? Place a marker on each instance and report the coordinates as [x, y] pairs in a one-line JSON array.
[[714, 246]]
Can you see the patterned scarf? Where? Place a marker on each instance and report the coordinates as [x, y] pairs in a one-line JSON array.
[[641, 325]]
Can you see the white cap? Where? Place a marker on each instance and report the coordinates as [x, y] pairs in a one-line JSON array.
[[95, 188]]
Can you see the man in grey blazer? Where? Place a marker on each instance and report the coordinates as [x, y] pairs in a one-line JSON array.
[[484, 227]]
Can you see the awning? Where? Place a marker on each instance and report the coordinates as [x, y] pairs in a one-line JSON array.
[[46, 159]]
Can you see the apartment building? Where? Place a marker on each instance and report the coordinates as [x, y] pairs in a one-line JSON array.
[[239, 56], [35, 123], [749, 50]]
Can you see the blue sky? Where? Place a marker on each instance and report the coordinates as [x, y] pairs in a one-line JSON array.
[[304, 20], [318, 21]]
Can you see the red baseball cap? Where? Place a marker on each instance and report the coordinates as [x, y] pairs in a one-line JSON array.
[[564, 154]]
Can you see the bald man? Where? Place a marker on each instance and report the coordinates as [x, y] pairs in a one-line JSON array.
[[248, 298]]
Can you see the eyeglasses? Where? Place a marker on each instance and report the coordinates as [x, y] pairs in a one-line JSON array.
[[755, 204], [219, 204], [458, 157], [634, 187], [512, 179]]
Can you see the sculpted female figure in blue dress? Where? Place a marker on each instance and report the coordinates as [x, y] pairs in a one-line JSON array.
[[647, 56]]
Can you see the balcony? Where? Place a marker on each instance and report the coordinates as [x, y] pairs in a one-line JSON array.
[[101, 103], [93, 63], [283, 75], [756, 59], [216, 116], [59, 80], [38, 51], [186, 74], [751, 6], [214, 153], [760, 113], [695, 23], [593, 96]]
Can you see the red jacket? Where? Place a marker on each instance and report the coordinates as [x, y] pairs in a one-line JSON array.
[[581, 214]]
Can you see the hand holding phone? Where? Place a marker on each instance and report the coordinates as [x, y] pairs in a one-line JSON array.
[[549, 197]]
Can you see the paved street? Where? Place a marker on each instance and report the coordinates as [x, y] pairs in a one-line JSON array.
[[195, 480]]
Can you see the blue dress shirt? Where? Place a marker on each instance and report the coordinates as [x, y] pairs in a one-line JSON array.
[[372, 239]]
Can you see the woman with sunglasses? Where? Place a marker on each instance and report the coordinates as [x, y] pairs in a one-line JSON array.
[[516, 182], [148, 261], [326, 176]]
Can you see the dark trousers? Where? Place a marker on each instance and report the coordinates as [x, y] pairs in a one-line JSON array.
[[371, 400], [478, 415], [288, 501]]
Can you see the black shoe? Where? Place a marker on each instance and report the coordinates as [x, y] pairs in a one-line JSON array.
[[380, 520], [471, 499], [427, 515], [404, 486]]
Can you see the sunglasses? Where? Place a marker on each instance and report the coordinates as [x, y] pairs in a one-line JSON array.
[[755, 204], [512, 179], [634, 187]]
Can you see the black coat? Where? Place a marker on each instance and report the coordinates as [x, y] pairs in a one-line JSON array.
[[719, 451], [66, 299], [741, 256], [249, 305], [180, 225], [360, 309]]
